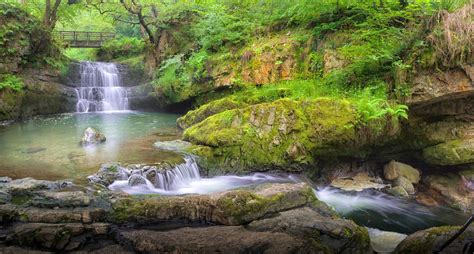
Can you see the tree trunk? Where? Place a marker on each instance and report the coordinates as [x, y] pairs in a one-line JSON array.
[[51, 13]]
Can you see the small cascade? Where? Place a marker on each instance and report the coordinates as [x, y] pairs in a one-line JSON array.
[[99, 88], [179, 176], [185, 178]]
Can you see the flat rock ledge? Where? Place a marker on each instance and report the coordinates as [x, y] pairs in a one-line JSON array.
[[43, 216]]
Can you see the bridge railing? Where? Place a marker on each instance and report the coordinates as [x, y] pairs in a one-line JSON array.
[[80, 39]]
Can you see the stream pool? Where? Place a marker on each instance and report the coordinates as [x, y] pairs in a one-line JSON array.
[[48, 147]]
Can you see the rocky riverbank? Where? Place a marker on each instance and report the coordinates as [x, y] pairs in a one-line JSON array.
[[270, 218]]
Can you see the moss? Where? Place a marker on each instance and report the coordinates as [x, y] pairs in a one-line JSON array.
[[203, 112], [230, 208], [453, 152], [280, 134], [20, 200]]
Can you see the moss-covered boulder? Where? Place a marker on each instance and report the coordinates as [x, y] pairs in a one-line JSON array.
[[454, 152], [198, 115], [234, 207], [285, 134], [429, 240]]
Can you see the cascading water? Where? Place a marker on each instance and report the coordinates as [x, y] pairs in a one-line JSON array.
[[99, 88], [185, 179]]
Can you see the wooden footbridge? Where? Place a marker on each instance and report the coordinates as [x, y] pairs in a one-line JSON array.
[[82, 39]]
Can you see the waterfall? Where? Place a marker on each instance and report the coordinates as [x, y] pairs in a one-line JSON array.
[[185, 179], [99, 88], [179, 176]]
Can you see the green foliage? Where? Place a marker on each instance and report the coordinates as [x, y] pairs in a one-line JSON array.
[[196, 64], [121, 48], [172, 83], [81, 54], [11, 81]]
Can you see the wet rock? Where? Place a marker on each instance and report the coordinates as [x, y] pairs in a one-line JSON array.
[[451, 190], [398, 191], [216, 239], [359, 182], [57, 237], [330, 232], [5, 197], [5, 179], [61, 199], [405, 184], [136, 180], [427, 241], [384, 241], [92, 136], [108, 173], [395, 169], [233, 207], [25, 186], [173, 145]]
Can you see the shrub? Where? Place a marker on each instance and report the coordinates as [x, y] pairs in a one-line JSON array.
[[121, 48], [11, 81]]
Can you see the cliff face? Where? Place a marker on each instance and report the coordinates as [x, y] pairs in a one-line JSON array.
[[27, 53]]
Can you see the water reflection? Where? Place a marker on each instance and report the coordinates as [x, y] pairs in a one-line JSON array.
[[48, 148]]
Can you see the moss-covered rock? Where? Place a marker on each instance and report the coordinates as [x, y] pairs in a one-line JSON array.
[[286, 134], [454, 152], [198, 115], [427, 241], [234, 207]]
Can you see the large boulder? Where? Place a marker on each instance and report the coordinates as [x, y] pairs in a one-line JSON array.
[[198, 115], [233, 207], [450, 189], [332, 234], [286, 134], [429, 240], [92, 136], [455, 152], [394, 169]]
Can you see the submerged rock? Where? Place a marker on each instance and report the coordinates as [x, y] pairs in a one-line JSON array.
[[92, 136], [173, 145], [384, 241]]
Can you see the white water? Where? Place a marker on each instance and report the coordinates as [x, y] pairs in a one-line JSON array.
[[100, 89], [373, 209], [378, 210], [185, 179]]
